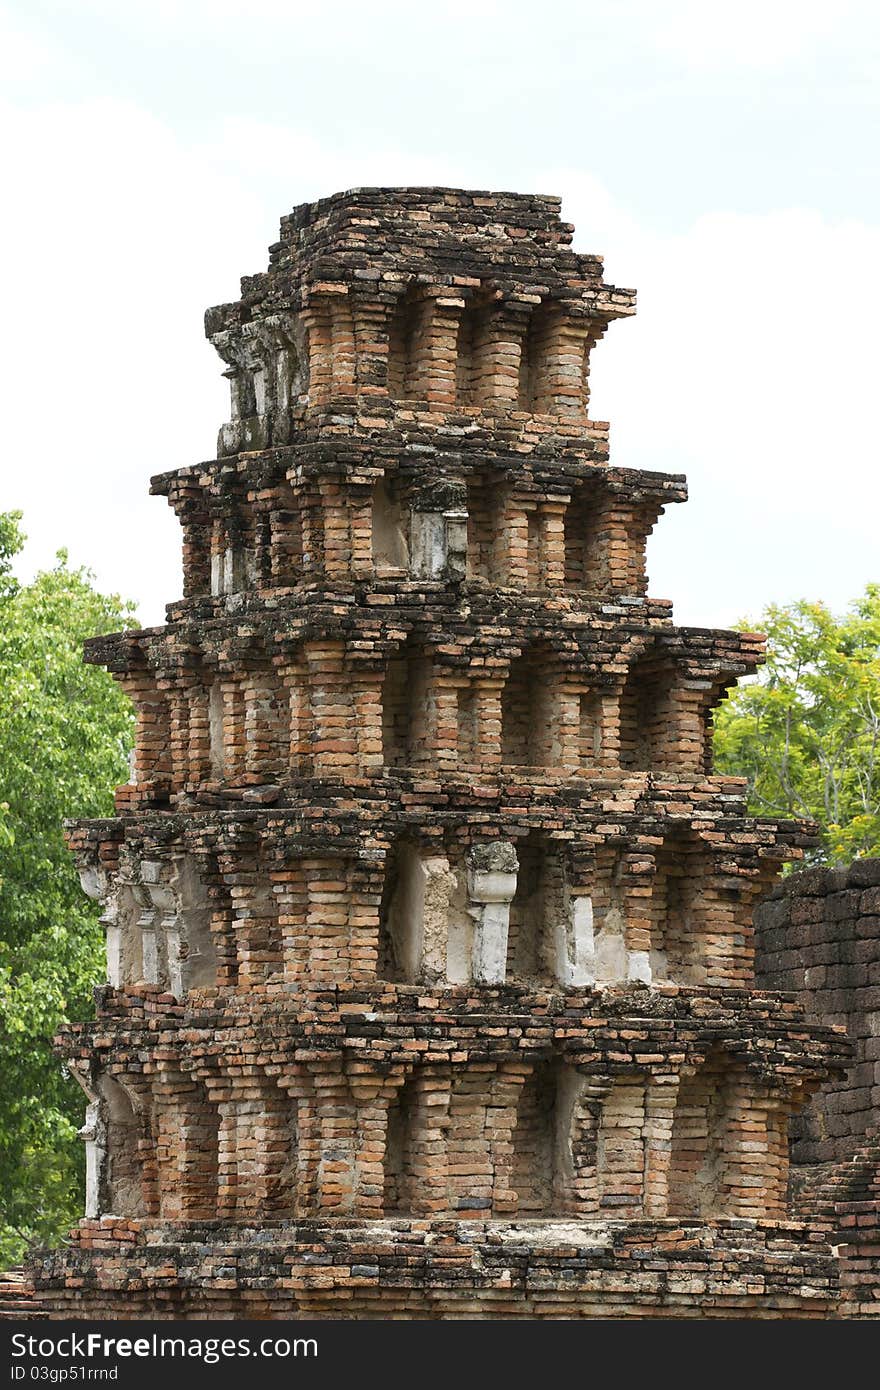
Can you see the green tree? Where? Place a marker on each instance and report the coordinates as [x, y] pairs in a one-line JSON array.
[[806, 730], [65, 732]]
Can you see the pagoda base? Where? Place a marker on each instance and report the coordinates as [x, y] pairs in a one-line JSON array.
[[427, 1269]]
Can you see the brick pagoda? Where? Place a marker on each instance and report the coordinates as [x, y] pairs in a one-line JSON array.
[[429, 928]]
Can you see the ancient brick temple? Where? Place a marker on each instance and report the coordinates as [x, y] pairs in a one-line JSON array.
[[429, 928]]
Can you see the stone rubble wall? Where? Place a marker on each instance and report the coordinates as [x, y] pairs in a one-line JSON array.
[[818, 937], [419, 1269]]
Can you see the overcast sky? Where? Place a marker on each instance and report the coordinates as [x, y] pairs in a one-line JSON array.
[[723, 158]]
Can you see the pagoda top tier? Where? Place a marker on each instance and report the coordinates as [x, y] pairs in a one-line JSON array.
[[420, 300], [490, 231]]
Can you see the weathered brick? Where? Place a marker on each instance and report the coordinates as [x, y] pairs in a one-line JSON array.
[[426, 913]]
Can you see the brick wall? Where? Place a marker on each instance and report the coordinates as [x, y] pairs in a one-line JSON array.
[[818, 934]]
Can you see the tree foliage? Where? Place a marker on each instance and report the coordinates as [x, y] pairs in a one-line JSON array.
[[65, 733], [806, 731]]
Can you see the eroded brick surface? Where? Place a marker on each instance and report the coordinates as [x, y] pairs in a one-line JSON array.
[[429, 928], [818, 937]]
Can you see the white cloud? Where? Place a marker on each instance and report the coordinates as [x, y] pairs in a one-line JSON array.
[[345, 27], [28, 54], [751, 33], [757, 34], [301, 167]]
